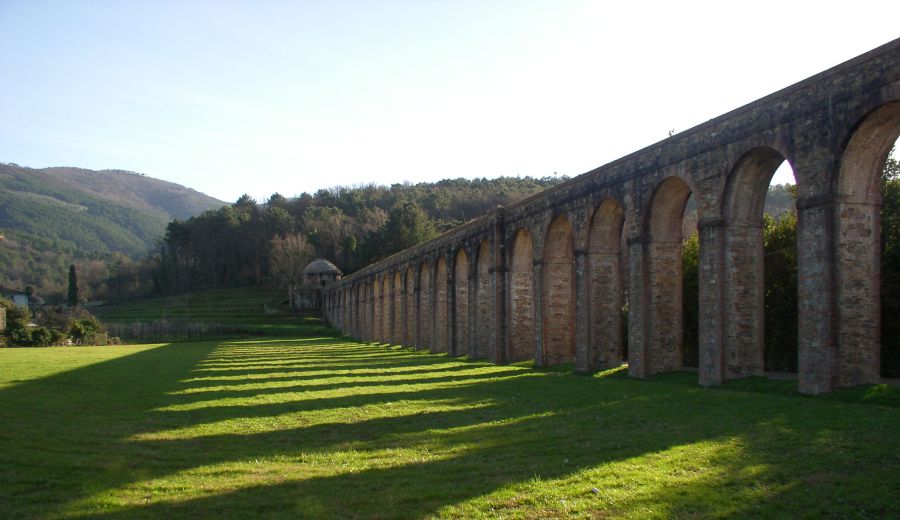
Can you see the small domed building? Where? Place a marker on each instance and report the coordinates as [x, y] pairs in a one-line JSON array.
[[306, 296]]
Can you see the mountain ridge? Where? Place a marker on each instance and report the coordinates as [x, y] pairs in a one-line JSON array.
[[51, 217]]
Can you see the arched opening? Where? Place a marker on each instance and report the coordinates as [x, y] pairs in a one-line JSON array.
[[461, 298], [484, 302], [441, 308], [366, 314], [386, 311], [760, 275], [346, 307], [664, 258], [558, 291], [397, 336], [866, 255], [410, 306], [377, 311], [357, 311], [521, 301], [605, 295], [426, 309]]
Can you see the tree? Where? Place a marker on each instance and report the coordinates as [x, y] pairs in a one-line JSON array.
[[890, 268], [288, 256], [73, 286], [780, 246], [690, 298], [85, 330]]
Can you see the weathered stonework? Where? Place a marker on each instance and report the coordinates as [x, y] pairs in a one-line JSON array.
[[546, 278]]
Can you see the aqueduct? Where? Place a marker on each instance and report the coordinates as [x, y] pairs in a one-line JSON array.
[[546, 278]]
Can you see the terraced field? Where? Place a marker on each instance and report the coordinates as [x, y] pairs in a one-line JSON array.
[[213, 314]]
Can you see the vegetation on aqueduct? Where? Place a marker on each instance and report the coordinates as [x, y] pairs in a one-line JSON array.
[[322, 427]]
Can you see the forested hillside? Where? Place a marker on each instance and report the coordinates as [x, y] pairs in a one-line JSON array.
[[50, 218], [250, 243]]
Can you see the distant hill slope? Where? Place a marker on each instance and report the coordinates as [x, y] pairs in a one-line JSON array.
[[50, 217]]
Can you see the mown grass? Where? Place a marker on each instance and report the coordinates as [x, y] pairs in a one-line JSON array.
[[330, 428]]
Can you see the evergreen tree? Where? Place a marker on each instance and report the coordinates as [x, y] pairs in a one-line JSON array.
[[73, 286]]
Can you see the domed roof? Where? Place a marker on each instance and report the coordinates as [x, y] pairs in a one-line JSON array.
[[321, 266]]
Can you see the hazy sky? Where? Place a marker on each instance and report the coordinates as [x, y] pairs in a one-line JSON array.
[[287, 96]]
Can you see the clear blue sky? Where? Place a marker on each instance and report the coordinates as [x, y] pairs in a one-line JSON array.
[[259, 97]]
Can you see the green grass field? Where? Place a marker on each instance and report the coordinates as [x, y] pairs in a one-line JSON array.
[[243, 311], [330, 428]]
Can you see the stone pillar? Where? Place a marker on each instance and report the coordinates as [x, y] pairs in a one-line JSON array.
[[453, 349], [604, 309], [417, 329], [817, 311], [665, 309], [745, 301], [371, 314], [499, 292], [582, 313], [537, 299], [711, 347], [638, 303], [858, 288], [472, 315]]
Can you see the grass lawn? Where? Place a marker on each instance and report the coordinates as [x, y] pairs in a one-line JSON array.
[[237, 311], [330, 428]]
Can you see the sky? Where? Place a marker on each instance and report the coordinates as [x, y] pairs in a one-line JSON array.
[[259, 97]]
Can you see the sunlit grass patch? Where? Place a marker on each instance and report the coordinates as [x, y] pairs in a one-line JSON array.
[[330, 428]]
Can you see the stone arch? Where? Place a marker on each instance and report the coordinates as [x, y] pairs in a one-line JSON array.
[[368, 299], [663, 259], [484, 302], [410, 306], [857, 249], [521, 300], [357, 311], [386, 313], [377, 310], [461, 301], [397, 310], [346, 307], [426, 309], [441, 306], [743, 277], [558, 293], [606, 294]]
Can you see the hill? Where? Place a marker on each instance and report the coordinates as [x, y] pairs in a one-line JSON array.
[[52, 217]]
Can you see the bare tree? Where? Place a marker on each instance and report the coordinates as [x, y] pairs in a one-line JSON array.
[[288, 255]]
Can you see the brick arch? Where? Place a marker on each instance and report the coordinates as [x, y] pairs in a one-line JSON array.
[[605, 296], [859, 177], [410, 307], [663, 251], [484, 302], [743, 277], [521, 300], [665, 210], [397, 310], [461, 301], [385, 336], [441, 306], [558, 292], [377, 311], [857, 249], [426, 308]]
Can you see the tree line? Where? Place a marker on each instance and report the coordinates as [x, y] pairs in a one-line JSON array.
[[267, 243]]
